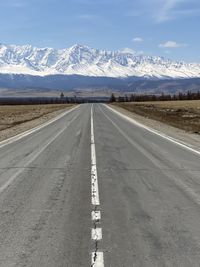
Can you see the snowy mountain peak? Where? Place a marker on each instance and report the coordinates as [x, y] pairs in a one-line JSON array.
[[83, 60]]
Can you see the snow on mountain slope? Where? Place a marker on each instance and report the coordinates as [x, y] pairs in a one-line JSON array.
[[87, 61]]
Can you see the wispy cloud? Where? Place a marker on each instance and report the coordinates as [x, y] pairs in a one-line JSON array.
[[172, 44], [175, 9], [137, 40], [160, 11], [165, 12]]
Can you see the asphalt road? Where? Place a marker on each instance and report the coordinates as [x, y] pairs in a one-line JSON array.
[[146, 196]]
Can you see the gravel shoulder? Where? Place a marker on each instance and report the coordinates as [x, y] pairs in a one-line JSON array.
[[190, 139], [19, 119]]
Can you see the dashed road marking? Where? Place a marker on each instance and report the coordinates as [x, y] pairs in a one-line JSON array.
[[94, 186], [96, 234], [97, 258], [96, 215], [94, 178]]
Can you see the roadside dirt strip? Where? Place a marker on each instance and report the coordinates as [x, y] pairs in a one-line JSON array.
[[32, 130], [17, 119], [97, 258]]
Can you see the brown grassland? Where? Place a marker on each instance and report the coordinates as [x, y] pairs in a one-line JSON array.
[[181, 114], [13, 115]]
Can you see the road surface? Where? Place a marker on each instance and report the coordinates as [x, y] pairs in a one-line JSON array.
[[93, 189]]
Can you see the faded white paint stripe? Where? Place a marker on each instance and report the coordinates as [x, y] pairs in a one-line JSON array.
[[97, 259], [96, 215], [37, 128], [94, 186], [96, 234], [94, 180], [169, 138], [93, 154]]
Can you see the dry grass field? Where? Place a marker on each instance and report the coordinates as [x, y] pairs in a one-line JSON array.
[[14, 115], [181, 114]]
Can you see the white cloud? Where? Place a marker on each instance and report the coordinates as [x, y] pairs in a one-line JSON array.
[[137, 40], [128, 50], [172, 44]]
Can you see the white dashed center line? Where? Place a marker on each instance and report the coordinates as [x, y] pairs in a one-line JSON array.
[[96, 234], [97, 258], [96, 215]]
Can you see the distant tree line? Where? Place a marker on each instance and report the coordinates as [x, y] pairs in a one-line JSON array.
[[47, 100], [163, 97], [36, 100]]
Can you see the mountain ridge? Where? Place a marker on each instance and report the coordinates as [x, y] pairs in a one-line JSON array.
[[86, 61], [20, 84]]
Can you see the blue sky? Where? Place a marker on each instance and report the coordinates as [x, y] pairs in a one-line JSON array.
[[168, 28]]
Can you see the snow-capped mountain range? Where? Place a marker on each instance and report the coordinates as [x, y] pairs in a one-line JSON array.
[[86, 61]]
